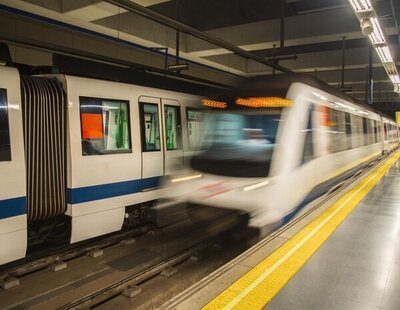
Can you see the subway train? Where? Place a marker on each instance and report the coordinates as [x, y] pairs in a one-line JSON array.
[[276, 143], [81, 157]]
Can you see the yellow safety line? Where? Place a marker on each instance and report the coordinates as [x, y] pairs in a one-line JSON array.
[[257, 287]]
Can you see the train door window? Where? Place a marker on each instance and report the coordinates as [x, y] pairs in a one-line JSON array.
[[379, 131], [370, 131], [365, 130], [355, 129], [391, 131], [347, 124], [308, 150], [150, 127], [334, 130], [195, 127], [105, 126], [385, 133], [375, 130], [5, 147], [172, 127], [341, 131]]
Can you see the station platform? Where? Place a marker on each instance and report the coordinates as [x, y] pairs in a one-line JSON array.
[[344, 256]]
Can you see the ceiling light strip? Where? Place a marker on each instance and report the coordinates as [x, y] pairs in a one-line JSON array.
[[364, 10]]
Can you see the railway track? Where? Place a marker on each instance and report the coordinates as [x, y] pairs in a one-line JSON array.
[[43, 260], [178, 247], [87, 280]]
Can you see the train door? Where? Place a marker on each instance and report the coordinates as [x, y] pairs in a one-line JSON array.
[[152, 143], [172, 132], [13, 218]]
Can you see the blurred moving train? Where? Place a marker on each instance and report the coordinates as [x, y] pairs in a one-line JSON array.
[[80, 157], [277, 143]]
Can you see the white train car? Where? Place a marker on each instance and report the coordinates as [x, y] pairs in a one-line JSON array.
[[79, 156], [390, 135], [104, 179], [281, 142], [13, 219]]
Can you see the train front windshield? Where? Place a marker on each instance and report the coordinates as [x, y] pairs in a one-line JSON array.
[[238, 143]]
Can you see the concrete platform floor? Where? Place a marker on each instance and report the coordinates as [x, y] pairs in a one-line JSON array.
[[358, 267]]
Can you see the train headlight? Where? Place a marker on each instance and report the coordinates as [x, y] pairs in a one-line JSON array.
[[186, 178], [255, 186]]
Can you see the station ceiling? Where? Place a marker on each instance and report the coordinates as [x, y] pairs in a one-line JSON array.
[[313, 35]]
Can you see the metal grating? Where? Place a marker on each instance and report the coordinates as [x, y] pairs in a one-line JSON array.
[[44, 110]]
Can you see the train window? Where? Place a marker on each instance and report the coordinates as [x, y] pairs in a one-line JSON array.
[[150, 127], [342, 131], [5, 147], [308, 150], [195, 127], [365, 130], [379, 129], [347, 124], [370, 127], [105, 126], [374, 124], [334, 131], [385, 131], [172, 127], [360, 135]]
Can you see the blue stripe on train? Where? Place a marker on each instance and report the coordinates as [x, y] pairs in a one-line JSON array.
[[12, 207], [321, 189], [104, 191]]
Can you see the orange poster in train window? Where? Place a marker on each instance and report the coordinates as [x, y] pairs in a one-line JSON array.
[[92, 126], [326, 121]]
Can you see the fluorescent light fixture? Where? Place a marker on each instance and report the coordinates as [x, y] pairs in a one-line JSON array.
[[395, 78], [187, 178], [361, 5], [384, 54], [364, 10], [377, 36]]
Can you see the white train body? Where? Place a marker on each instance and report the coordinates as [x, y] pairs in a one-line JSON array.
[[101, 186], [319, 140], [98, 186], [13, 220]]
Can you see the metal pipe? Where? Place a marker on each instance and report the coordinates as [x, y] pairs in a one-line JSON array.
[[177, 47], [395, 18], [370, 77], [273, 57], [366, 85], [343, 59], [285, 57], [282, 24], [177, 40], [147, 13]]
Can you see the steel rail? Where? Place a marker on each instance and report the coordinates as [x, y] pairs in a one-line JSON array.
[[116, 288]]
